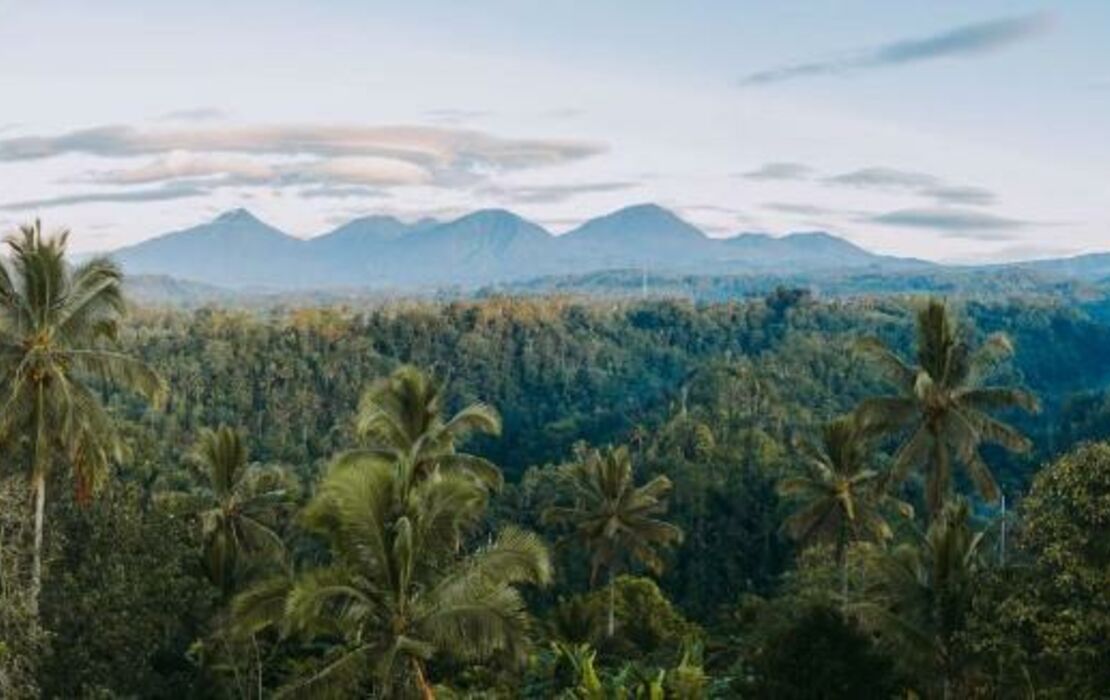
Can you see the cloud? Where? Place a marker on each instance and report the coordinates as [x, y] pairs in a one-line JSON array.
[[802, 209], [780, 171], [207, 158], [884, 178], [968, 40], [128, 196], [952, 222], [961, 195], [199, 114], [547, 194], [341, 192], [436, 148], [919, 183], [183, 164]]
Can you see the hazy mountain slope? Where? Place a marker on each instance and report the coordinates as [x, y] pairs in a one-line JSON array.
[[358, 252], [493, 247], [234, 249], [484, 247], [641, 235]]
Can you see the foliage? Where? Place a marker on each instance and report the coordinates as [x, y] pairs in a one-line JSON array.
[[125, 586], [1058, 604], [817, 654], [401, 417], [942, 407], [710, 399], [398, 592], [647, 624], [919, 600], [55, 326], [22, 639], [238, 506], [840, 496]]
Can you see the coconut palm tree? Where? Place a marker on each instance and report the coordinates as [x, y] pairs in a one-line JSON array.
[[241, 504], [57, 324], [397, 592], [942, 407], [613, 518], [919, 597], [839, 497], [402, 416]]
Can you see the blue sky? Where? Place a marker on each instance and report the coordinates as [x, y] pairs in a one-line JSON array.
[[947, 130]]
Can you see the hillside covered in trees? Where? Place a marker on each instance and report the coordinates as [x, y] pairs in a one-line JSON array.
[[544, 496]]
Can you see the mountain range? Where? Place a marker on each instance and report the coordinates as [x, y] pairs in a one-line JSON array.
[[485, 248]]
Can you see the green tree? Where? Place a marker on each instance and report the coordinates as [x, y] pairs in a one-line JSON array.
[[919, 599], [127, 600], [56, 326], [1059, 606], [397, 591], [942, 407], [839, 497], [241, 501], [821, 654], [613, 518], [402, 417]]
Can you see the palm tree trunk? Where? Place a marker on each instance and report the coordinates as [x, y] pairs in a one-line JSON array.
[[38, 484], [426, 691], [612, 605], [842, 561]]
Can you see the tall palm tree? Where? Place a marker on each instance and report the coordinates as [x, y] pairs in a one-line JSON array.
[[402, 416], [942, 407], [839, 497], [397, 592], [57, 324], [241, 504], [919, 597], [613, 518]]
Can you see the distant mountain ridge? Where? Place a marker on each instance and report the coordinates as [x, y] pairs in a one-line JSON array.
[[483, 248]]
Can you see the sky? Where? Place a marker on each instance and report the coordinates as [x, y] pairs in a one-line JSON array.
[[948, 130]]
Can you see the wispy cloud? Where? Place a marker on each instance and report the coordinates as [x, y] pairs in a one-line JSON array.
[[953, 222], [923, 184], [341, 192], [546, 194], [117, 197], [968, 40], [779, 171], [884, 178], [802, 209], [966, 195], [199, 114]]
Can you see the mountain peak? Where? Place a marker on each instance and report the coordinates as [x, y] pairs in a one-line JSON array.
[[493, 215], [648, 212], [238, 215]]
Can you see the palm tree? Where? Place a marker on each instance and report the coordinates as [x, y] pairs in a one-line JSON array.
[[402, 417], [942, 407], [613, 518], [839, 497], [920, 595], [397, 592], [56, 326], [241, 504]]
